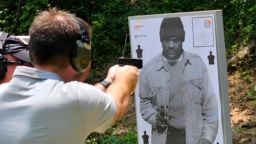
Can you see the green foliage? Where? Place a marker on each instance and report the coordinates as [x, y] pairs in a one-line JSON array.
[[246, 76], [251, 94], [128, 138], [238, 130], [239, 24], [113, 136], [16, 17]]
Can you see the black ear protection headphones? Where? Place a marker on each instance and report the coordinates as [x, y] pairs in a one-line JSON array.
[[3, 66], [82, 55], [3, 59]]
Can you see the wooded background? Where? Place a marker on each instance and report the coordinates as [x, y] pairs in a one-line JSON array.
[[109, 19]]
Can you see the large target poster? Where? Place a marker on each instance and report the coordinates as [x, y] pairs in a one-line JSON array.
[[182, 92]]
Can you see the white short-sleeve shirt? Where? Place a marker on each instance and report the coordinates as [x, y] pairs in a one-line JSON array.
[[37, 107]]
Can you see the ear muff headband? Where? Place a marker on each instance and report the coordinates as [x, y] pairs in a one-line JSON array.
[[82, 54]]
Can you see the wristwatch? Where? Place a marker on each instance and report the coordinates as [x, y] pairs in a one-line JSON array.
[[105, 83]]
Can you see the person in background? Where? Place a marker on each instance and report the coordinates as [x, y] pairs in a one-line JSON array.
[[176, 96], [49, 103], [13, 52]]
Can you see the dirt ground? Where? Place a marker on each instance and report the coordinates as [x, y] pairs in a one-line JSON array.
[[242, 108]]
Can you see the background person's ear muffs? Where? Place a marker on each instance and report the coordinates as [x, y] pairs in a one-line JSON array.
[[82, 54]]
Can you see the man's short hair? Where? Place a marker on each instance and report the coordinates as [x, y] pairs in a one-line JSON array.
[[53, 35]]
